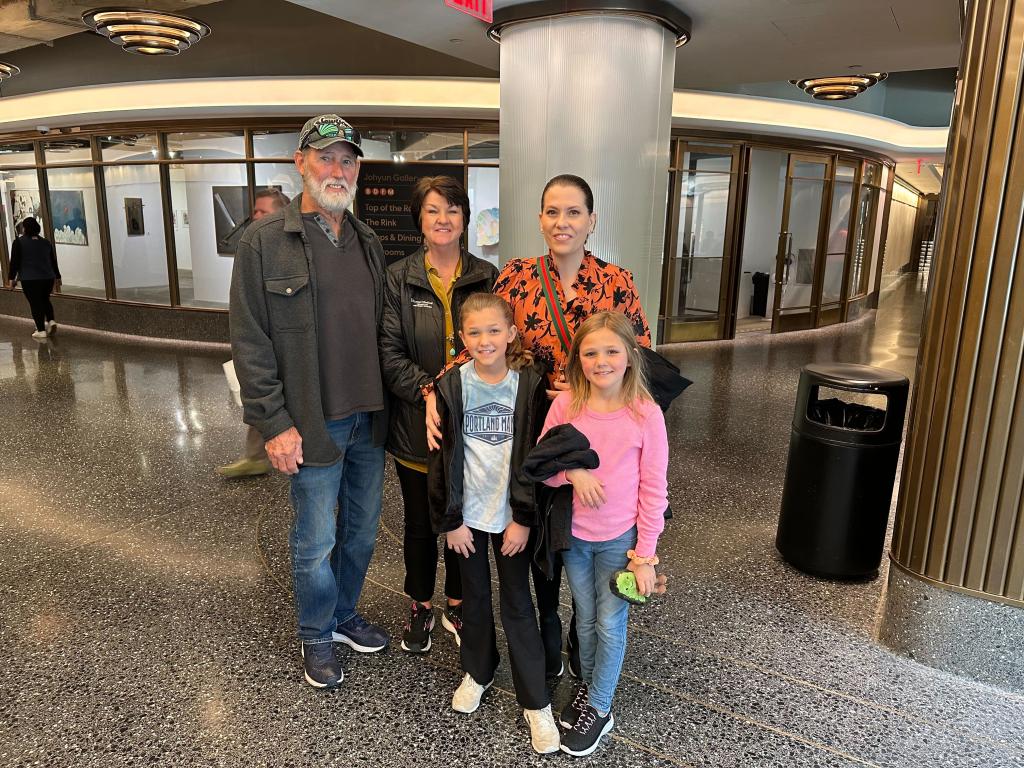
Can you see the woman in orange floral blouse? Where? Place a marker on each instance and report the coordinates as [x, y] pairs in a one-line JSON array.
[[566, 220]]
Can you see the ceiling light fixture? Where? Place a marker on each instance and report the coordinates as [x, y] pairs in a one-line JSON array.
[[150, 33], [8, 71], [840, 87]]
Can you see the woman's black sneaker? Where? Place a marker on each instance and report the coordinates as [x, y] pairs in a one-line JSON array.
[[571, 712], [451, 619], [587, 732], [573, 649], [416, 637]]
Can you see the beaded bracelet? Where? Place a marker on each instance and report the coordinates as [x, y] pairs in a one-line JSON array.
[[637, 560]]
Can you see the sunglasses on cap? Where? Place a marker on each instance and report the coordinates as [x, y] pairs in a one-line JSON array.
[[325, 130]]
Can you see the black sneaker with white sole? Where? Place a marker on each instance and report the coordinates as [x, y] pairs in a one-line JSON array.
[[573, 649], [320, 665], [587, 732], [416, 637], [571, 712], [451, 619]]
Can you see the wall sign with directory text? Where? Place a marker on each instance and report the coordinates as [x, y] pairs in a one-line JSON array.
[[385, 191]]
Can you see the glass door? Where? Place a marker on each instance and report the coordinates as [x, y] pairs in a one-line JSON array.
[[799, 258], [837, 244], [697, 267]]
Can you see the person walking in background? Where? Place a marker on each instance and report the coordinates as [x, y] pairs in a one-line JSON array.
[[253, 460], [34, 263], [423, 297], [617, 509]]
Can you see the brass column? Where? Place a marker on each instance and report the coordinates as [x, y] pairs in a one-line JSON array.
[[959, 533]]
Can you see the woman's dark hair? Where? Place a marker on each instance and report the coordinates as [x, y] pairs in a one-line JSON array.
[[31, 227], [568, 180], [447, 187]]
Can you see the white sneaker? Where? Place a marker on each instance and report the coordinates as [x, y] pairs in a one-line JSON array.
[[51, 326], [467, 695], [543, 731], [38, 334]]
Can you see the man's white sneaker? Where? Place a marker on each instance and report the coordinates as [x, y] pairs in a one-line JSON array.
[[543, 731], [39, 334], [467, 695]]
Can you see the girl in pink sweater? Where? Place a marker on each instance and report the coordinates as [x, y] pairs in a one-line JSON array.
[[617, 510]]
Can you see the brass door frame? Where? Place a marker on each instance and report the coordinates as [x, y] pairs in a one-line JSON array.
[[848, 254], [785, 241], [676, 328]]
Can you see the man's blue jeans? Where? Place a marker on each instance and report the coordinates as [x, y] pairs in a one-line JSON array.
[[331, 551], [601, 617]]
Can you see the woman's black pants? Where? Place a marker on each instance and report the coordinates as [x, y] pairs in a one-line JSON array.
[[37, 292]]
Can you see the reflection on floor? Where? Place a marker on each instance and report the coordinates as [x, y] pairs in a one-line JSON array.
[[146, 619], [753, 324]]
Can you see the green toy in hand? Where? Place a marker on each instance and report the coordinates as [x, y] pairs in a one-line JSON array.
[[623, 585]]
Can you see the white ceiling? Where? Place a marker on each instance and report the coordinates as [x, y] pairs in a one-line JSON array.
[[734, 41]]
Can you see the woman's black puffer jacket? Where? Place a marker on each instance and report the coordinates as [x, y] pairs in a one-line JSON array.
[[412, 342]]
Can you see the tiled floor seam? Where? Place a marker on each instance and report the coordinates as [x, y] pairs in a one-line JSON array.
[[840, 694], [664, 689], [816, 686], [742, 718]]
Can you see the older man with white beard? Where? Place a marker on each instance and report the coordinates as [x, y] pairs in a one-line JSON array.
[[306, 299]]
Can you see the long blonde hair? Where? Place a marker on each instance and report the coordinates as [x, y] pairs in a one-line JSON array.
[[634, 382], [516, 356]]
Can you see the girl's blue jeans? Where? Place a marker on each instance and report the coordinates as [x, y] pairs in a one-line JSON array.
[[601, 617]]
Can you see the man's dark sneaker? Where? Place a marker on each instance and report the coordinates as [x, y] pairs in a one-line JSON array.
[[361, 635], [573, 649], [571, 712], [321, 666], [587, 732], [416, 637], [451, 620]]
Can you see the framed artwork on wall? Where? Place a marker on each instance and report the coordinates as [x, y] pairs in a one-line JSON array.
[[230, 217], [134, 222], [24, 203], [67, 208]]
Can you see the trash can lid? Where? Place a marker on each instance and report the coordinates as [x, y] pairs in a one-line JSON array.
[[852, 375]]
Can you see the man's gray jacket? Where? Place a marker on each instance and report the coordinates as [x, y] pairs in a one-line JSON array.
[[274, 330]]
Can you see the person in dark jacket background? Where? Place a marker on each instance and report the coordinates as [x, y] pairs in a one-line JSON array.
[[419, 336], [34, 263]]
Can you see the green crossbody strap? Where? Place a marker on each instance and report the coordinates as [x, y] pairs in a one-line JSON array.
[[554, 305]]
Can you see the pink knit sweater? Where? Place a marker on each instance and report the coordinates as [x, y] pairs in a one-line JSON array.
[[634, 468]]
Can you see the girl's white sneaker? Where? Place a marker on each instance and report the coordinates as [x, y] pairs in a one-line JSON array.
[[467, 695], [543, 731]]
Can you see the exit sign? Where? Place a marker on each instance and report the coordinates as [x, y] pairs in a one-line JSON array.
[[480, 9]]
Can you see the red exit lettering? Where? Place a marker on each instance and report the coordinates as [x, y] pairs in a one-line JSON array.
[[479, 9]]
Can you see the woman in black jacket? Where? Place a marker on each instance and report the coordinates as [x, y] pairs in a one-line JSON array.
[[418, 337], [34, 262]]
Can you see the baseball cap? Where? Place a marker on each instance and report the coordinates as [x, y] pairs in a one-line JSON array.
[[322, 131]]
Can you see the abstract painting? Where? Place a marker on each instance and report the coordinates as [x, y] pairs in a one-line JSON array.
[[68, 210], [24, 203]]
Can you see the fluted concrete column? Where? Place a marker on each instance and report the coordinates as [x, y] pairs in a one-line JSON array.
[[956, 589], [589, 92]]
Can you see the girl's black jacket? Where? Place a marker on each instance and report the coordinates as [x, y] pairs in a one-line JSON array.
[[446, 466]]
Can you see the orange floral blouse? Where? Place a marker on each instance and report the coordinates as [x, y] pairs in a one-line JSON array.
[[599, 286]]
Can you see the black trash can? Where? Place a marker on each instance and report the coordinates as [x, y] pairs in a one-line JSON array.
[[841, 471]]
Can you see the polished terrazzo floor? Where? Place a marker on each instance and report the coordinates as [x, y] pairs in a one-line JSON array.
[[146, 619]]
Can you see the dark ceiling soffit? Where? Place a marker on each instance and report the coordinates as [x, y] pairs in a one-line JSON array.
[[661, 11]]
